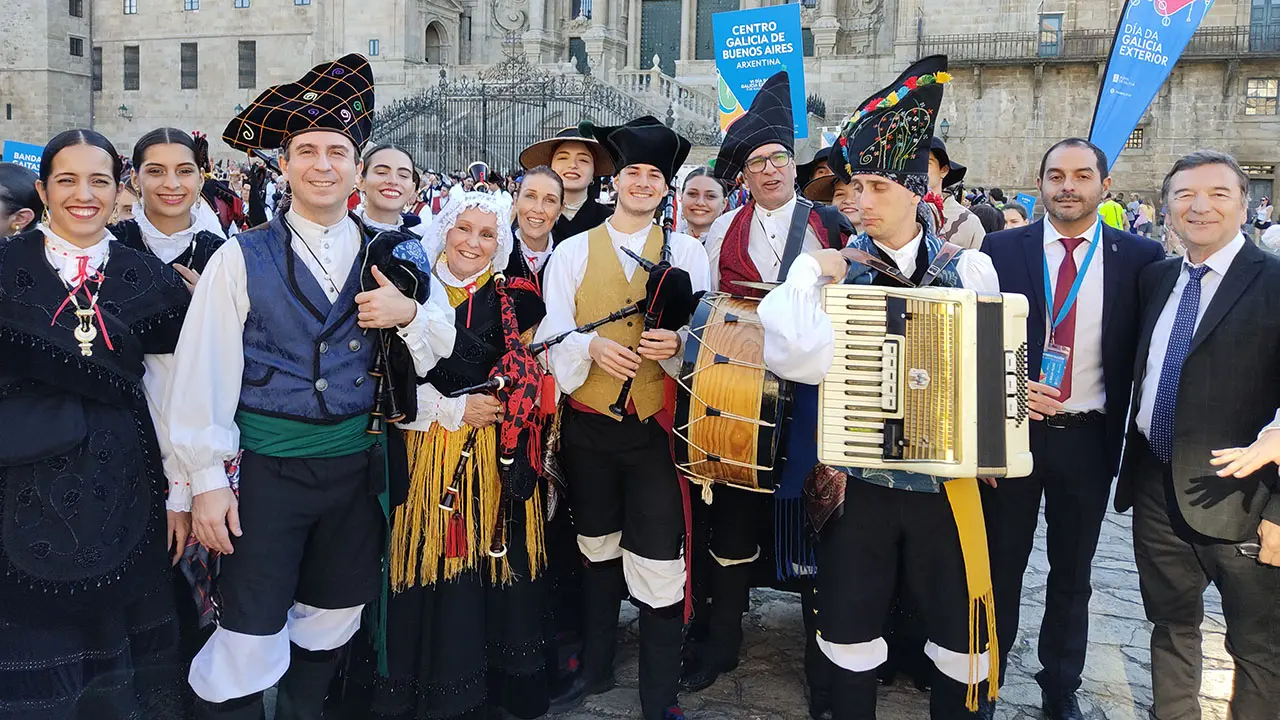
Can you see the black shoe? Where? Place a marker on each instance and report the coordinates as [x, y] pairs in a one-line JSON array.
[[819, 713], [579, 689], [702, 674], [1066, 707], [245, 708]]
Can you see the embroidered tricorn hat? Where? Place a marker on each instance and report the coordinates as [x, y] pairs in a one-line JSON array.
[[336, 96], [891, 132], [768, 121], [543, 151], [644, 140]]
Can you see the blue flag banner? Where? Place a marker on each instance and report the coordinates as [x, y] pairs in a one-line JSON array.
[[751, 46], [1028, 202], [1149, 39], [24, 154]]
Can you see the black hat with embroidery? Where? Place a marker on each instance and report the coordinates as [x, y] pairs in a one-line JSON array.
[[768, 121], [335, 96], [891, 132], [645, 140]]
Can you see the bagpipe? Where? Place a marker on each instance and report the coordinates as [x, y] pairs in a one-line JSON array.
[[401, 258], [669, 300], [516, 382]]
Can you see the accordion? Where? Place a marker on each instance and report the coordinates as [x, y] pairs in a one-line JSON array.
[[926, 380]]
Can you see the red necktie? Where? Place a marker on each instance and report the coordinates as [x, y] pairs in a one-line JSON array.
[[1065, 334]]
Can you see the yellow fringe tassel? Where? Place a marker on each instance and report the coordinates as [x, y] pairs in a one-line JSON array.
[[966, 507], [419, 526]]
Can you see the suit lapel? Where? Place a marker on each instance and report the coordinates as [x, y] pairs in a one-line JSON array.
[[1033, 253], [1110, 274], [1242, 272], [1155, 305]]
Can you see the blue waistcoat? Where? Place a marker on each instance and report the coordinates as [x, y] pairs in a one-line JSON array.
[[304, 357]]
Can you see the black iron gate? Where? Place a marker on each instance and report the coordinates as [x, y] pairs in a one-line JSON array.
[[495, 116]]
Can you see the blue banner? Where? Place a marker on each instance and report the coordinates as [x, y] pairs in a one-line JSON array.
[[1149, 39], [753, 45], [1028, 202], [24, 154]]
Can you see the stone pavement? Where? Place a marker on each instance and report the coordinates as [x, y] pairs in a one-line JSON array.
[[769, 684]]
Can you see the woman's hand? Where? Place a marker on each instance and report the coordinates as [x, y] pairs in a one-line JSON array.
[[482, 411], [179, 529]]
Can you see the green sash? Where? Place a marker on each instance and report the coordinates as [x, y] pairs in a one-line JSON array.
[[281, 438]]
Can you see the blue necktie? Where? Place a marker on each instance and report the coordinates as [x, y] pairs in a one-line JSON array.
[[1184, 325]]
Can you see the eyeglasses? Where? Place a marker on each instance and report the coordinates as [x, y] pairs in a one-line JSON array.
[[779, 160]]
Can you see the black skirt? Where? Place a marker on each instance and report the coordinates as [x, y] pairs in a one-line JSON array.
[[121, 664], [458, 649]]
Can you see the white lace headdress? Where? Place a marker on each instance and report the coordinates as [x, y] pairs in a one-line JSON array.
[[444, 221]]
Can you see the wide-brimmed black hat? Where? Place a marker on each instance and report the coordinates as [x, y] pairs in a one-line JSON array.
[[805, 171], [542, 152], [891, 132], [768, 121], [335, 96], [821, 189], [645, 140], [956, 172]]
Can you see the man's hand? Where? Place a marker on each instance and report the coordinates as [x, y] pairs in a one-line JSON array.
[[1269, 539], [179, 529], [833, 265], [212, 513], [482, 411], [385, 307], [613, 358], [1041, 400], [189, 276], [1243, 462], [989, 481], [658, 344]]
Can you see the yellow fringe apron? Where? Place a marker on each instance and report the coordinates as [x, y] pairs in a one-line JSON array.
[[419, 527]]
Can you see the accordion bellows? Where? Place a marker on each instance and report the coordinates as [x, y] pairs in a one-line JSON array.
[[929, 380]]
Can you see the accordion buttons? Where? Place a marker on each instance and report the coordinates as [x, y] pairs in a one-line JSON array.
[[1010, 362], [1011, 385], [1011, 407]]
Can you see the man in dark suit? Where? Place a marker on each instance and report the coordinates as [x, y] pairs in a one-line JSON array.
[[1081, 278], [1197, 468]]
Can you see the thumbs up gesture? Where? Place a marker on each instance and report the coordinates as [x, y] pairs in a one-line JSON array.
[[385, 306]]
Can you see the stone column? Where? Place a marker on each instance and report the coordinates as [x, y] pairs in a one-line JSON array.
[[688, 20], [538, 42], [633, 34], [826, 29]]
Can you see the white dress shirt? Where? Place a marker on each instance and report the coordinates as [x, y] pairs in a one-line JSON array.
[[799, 341], [570, 361], [65, 259], [766, 244], [209, 364], [1088, 391], [1218, 264]]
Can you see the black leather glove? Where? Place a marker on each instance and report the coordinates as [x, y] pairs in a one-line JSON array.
[[670, 290]]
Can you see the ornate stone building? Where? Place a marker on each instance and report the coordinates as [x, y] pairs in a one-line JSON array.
[[1027, 73]]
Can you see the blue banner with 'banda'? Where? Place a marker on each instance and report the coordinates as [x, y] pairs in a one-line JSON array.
[[1149, 39]]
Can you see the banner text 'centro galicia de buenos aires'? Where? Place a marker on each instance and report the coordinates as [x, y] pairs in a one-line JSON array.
[[752, 46], [1149, 39]]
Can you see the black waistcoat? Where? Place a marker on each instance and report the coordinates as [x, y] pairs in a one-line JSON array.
[[196, 256], [480, 343]]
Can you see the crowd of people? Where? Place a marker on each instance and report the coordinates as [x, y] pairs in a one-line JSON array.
[[399, 448]]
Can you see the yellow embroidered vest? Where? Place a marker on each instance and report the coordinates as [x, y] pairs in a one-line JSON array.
[[604, 290]]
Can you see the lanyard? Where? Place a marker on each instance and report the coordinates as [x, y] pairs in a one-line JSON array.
[[1070, 300]]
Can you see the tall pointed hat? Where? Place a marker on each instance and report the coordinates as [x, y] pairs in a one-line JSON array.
[[769, 120], [891, 132]]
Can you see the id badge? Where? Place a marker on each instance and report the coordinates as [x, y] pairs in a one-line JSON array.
[[1053, 365]]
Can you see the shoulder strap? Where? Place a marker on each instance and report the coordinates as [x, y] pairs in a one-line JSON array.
[[940, 261], [875, 263], [795, 236]]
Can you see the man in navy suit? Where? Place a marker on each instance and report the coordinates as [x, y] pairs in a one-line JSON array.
[[1081, 278]]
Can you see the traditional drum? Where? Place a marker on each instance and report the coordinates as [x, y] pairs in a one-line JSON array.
[[730, 409]]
